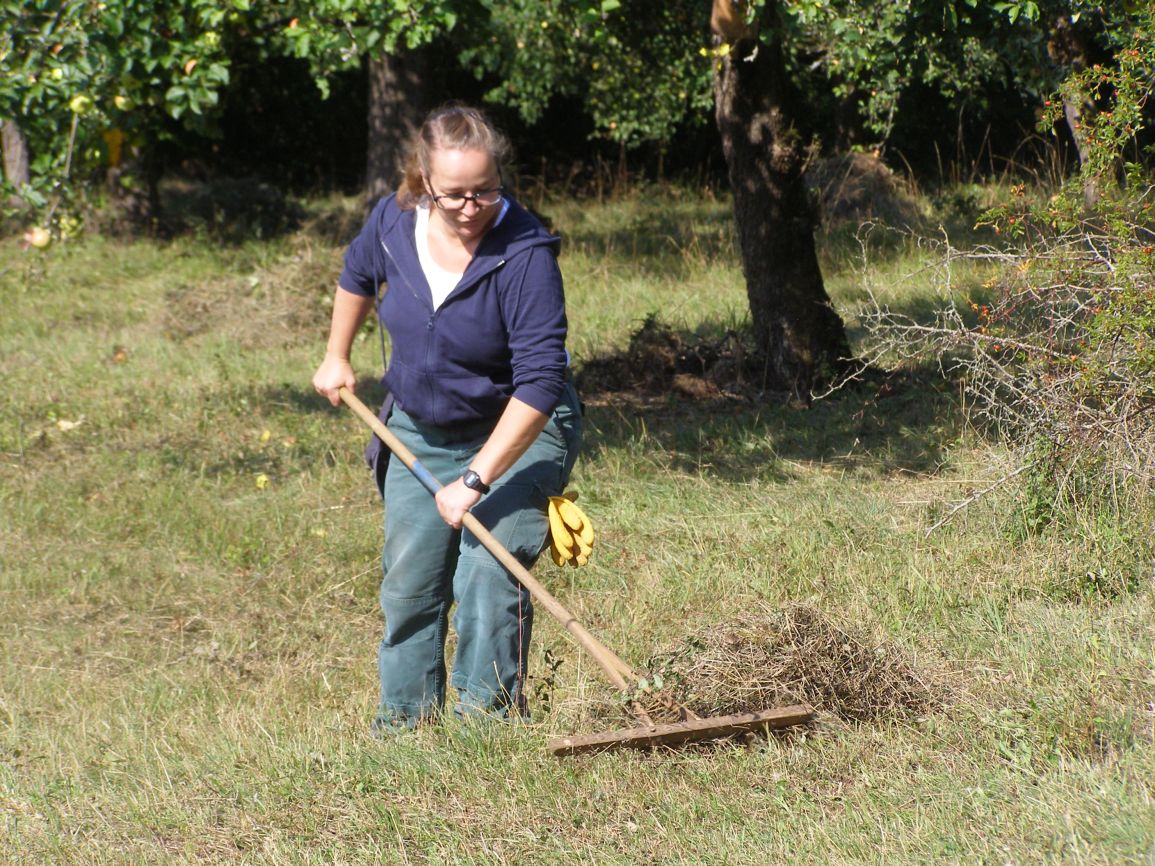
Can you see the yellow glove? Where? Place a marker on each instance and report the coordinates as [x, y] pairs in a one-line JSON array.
[[570, 531]]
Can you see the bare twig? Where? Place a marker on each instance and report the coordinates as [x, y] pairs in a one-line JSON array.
[[1054, 354], [970, 500]]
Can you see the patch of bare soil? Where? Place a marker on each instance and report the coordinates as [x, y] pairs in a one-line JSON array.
[[658, 363]]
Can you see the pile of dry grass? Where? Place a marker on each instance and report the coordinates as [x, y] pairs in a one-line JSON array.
[[778, 657], [858, 187]]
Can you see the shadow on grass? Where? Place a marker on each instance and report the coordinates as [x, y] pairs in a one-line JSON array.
[[892, 421], [660, 243], [694, 398], [898, 421], [902, 421], [672, 234], [229, 211]]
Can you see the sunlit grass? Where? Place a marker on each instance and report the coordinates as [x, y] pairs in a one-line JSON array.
[[188, 581], [660, 252]]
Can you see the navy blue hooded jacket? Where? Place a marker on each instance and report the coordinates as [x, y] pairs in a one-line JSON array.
[[499, 334]]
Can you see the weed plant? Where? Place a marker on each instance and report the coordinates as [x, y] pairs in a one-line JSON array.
[[189, 570]]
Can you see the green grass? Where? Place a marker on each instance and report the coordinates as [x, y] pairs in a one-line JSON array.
[[188, 579]]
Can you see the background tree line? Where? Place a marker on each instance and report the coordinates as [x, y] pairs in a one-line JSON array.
[[112, 95], [297, 92]]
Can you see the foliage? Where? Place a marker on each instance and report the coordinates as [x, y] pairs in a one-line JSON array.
[[643, 72], [338, 34], [1060, 353], [126, 74], [111, 73], [639, 73], [872, 54]]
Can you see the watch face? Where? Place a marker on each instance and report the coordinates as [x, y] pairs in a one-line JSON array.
[[473, 481]]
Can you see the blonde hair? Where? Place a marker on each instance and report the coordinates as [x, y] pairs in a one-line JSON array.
[[452, 127]]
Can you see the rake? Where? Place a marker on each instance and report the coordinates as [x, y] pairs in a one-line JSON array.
[[690, 728]]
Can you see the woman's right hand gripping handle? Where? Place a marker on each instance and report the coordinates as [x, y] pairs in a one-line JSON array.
[[334, 374]]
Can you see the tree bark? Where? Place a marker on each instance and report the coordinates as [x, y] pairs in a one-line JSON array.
[[801, 340], [1071, 47], [397, 105], [16, 159]]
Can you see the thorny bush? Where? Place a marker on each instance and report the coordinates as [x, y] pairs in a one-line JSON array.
[[1058, 353]]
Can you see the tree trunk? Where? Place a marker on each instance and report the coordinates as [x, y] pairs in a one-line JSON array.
[[14, 146], [397, 84], [1071, 47], [799, 336]]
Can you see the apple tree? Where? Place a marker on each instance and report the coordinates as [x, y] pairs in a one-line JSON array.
[[90, 84]]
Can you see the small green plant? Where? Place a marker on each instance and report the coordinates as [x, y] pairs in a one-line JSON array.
[[546, 682], [642, 690]]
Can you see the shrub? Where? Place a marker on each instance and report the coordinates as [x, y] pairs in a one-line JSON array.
[[1058, 355]]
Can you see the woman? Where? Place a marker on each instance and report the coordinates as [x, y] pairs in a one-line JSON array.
[[473, 303]]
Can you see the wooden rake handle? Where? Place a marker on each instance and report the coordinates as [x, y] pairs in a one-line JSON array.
[[616, 670]]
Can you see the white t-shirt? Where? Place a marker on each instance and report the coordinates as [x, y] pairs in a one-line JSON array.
[[441, 282]]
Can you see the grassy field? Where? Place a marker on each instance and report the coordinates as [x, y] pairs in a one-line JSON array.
[[188, 579]]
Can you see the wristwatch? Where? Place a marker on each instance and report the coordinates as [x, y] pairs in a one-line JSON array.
[[473, 481]]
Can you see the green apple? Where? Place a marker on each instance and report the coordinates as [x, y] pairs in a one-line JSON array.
[[80, 104]]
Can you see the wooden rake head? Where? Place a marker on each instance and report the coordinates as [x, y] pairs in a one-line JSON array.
[[688, 731]]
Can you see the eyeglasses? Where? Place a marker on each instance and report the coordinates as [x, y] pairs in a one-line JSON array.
[[456, 200]]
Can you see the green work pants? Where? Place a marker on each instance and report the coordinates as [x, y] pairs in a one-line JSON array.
[[428, 567]]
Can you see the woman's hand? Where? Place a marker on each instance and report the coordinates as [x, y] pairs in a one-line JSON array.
[[453, 500], [334, 373]]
